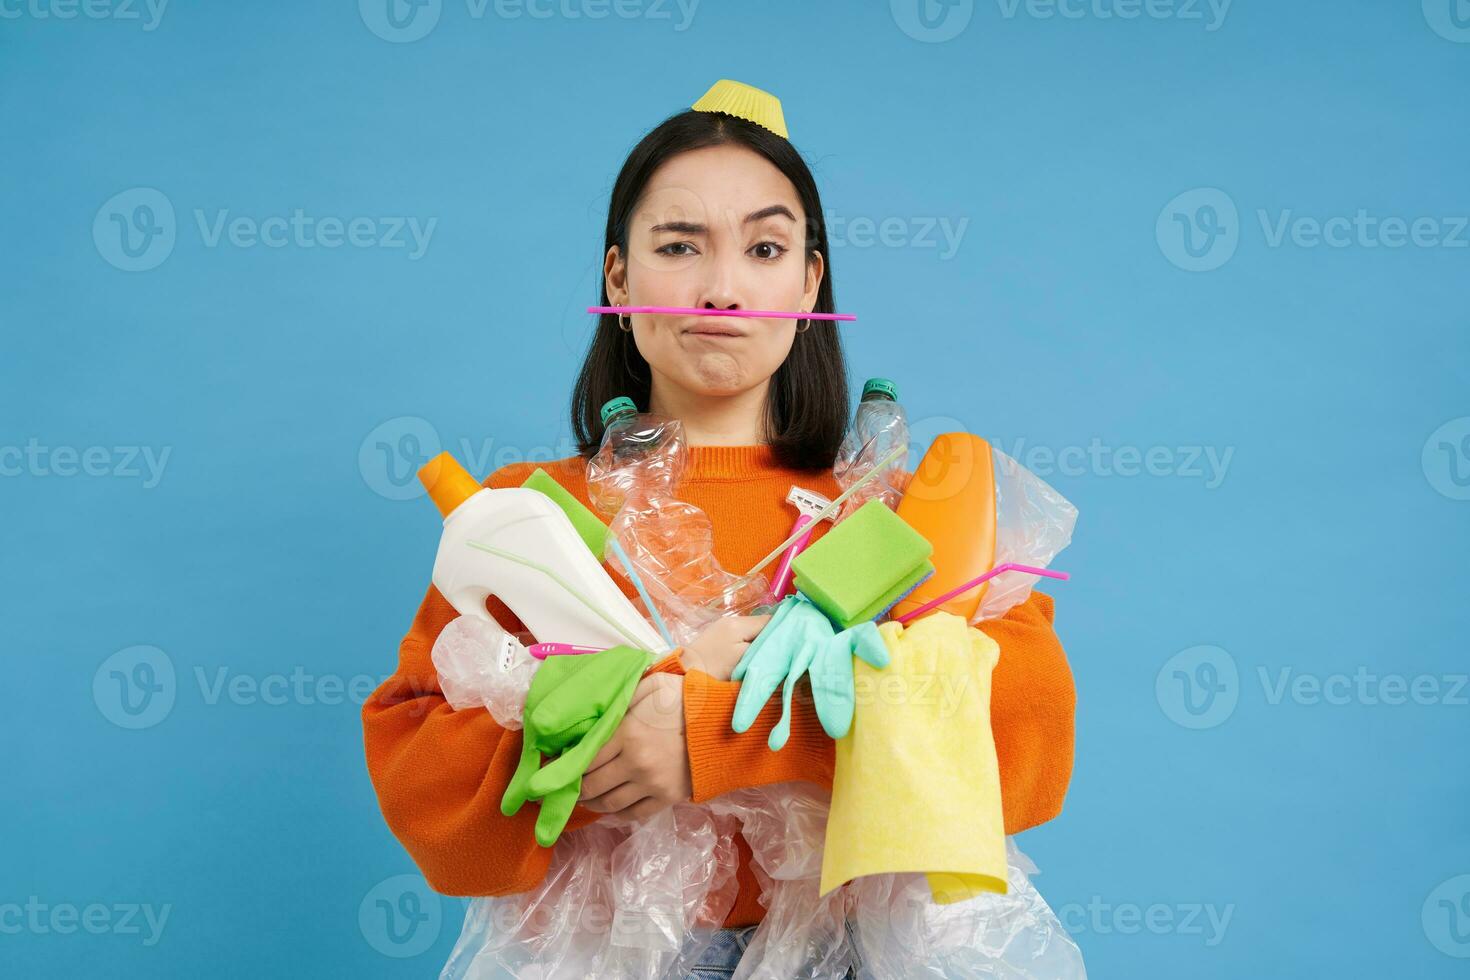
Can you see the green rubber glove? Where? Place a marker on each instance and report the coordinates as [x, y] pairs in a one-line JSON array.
[[573, 707], [799, 640]]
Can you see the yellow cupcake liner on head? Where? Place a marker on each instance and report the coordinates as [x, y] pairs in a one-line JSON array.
[[746, 102]]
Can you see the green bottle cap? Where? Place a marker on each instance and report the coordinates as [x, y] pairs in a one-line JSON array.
[[618, 406], [880, 387]]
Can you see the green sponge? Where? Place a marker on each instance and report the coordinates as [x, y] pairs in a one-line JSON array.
[[863, 565], [588, 525]]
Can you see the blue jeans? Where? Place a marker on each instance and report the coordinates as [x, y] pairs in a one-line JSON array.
[[724, 952]]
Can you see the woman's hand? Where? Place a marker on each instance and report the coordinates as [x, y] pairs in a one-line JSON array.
[[644, 767], [721, 644]]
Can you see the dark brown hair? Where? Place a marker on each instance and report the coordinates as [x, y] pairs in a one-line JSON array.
[[806, 413]]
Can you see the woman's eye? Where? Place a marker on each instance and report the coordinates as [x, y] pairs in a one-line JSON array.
[[768, 250], [675, 248]]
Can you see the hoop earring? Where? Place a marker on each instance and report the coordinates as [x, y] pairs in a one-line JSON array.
[[803, 325], [623, 326]]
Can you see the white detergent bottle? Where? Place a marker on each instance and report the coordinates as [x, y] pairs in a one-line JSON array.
[[529, 525]]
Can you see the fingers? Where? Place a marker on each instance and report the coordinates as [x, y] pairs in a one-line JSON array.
[[756, 687], [619, 798], [777, 739], [771, 627], [604, 757], [833, 688], [518, 790], [571, 764], [556, 810], [866, 642]]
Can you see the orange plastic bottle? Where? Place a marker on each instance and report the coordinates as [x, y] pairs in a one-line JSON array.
[[951, 501]]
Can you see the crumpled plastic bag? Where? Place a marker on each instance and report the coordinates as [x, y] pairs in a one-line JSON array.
[[642, 901], [480, 665], [1033, 523]]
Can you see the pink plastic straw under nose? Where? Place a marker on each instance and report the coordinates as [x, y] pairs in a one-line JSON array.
[[696, 311]]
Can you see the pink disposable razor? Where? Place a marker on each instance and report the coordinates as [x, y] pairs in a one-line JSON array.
[[543, 650], [810, 505]]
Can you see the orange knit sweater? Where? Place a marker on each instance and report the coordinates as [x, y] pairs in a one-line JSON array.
[[440, 773]]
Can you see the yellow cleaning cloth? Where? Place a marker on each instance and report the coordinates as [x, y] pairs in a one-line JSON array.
[[917, 785]]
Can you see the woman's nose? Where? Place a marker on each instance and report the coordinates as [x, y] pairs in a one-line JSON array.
[[720, 289]]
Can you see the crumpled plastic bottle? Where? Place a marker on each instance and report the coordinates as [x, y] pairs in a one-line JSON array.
[[669, 543], [879, 426]]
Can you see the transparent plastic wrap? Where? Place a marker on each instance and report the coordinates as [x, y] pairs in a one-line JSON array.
[[879, 427], [1032, 524], [621, 901], [900, 934], [642, 901], [480, 665], [669, 543]]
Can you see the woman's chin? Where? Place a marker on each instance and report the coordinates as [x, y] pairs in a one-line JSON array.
[[717, 374]]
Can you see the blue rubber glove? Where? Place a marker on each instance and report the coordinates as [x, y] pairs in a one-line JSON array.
[[799, 640]]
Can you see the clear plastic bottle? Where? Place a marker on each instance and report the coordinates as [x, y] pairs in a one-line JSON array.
[[670, 543], [878, 428]]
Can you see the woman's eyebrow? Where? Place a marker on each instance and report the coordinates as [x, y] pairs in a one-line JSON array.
[[698, 228]]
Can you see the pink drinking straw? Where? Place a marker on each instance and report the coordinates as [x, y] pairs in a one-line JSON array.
[[695, 311], [1009, 566]]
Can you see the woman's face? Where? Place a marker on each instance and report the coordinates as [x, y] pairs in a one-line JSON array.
[[716, 228]]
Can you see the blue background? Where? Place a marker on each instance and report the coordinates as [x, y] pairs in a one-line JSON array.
[[1333, 542]]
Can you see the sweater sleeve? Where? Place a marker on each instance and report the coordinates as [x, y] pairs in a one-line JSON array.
[[439, 773], [1032, 707]]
